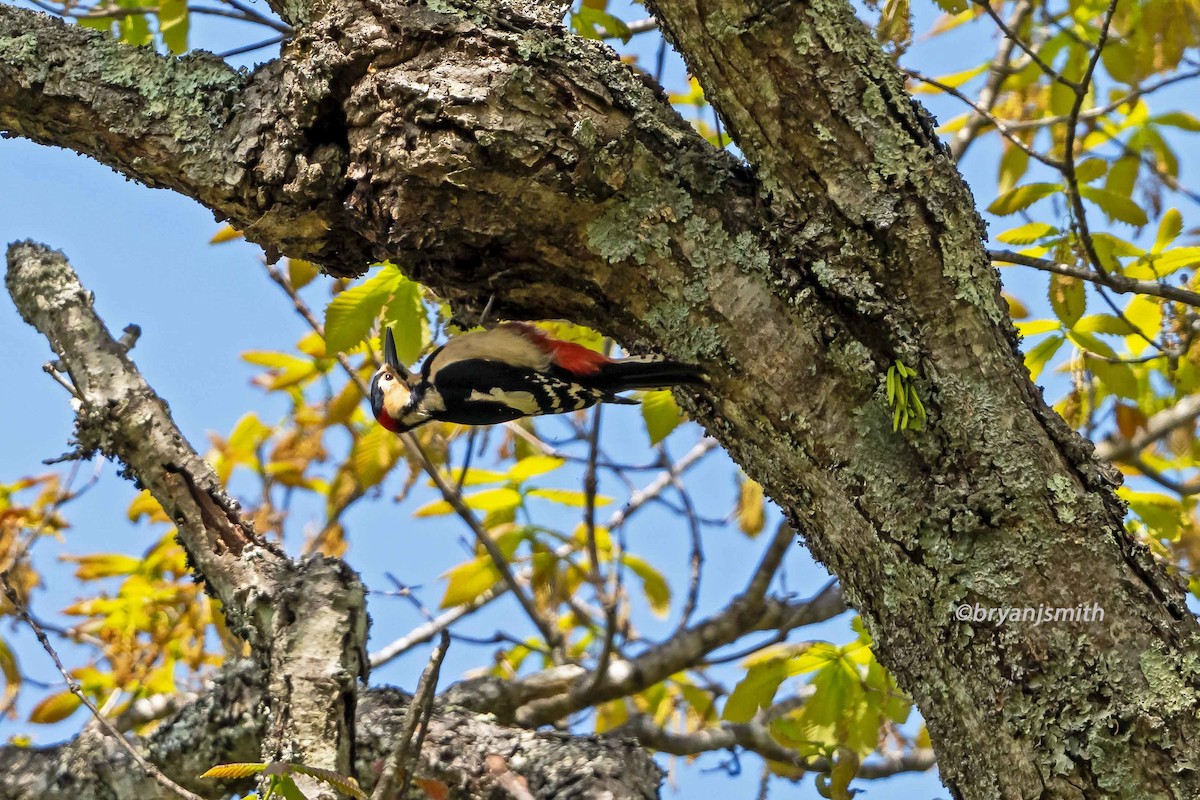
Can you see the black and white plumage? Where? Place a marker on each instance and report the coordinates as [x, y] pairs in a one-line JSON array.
[[511, 371]]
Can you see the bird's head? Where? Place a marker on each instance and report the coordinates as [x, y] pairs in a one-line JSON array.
[[391, 396]]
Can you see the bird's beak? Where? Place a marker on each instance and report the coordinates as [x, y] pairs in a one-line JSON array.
[[389, 352]]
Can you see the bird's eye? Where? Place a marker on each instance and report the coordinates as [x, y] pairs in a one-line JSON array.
[[387, 376]]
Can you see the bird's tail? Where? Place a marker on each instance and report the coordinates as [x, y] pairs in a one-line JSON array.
[[647, 372]]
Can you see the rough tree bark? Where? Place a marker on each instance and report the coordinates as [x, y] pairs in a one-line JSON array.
[[490, 154]]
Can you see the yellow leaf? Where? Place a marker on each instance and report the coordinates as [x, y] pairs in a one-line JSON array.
[[469, 580], [568, 497], [226, 234], [145, 505], [658, 593], [301, 273], [751, 508], [533, 466], [103, 565], [228, 772], [55, 708], [1067, 298], [953, 80]]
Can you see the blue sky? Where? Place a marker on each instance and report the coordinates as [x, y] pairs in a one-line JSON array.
[[145, 255]]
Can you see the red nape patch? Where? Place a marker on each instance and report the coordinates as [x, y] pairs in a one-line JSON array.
[[574, 358]]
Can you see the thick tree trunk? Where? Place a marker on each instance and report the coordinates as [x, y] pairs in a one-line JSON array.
[[492, 155]]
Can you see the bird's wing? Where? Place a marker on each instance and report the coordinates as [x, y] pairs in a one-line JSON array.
[[509, 344]]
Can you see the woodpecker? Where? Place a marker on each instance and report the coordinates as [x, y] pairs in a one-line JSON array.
[[511, 371]]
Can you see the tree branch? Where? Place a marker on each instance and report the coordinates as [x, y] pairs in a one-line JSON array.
[[307, 621], [223, 726], [755, 737], [1118, 283], [1161, 424]]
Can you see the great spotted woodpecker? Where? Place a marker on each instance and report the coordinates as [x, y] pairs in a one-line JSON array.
[[513, 370]]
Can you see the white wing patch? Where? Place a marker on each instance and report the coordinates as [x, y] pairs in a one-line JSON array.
[[502, 344], [524, 402]]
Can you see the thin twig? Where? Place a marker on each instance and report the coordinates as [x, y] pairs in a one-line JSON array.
[[75, 689], [1029, 51], [553, 637], [395, 770], [250, 48], [1118, 283], [998, 72], [984, 113]]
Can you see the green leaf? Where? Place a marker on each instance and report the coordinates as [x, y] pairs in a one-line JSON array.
[[952, 6], [654, 585], [1161, 513], [816, 656], [1116, 206], [468, 581], [288, 788], [1091, 344], [532, 466], [1037, 358], [1013, 166], [1068, 298], [661, 414], [1178, 119], [754, 691], [342, 783], [1169, 228], [1122, 176], [1021, 198], [1090, 169], [594, 23], [405, 315], [135, 30], [1119, 61], [1028, 233], [1118, 379], [173, 24], [351, 314], [1104, 323], [1146, 313]]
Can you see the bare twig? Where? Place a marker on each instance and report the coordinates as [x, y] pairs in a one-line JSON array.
[[997, 73], [1161, 424], [744, 613], [755, 737], [396, 771], [1029, 51], [987, 115], [1118, 283]]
